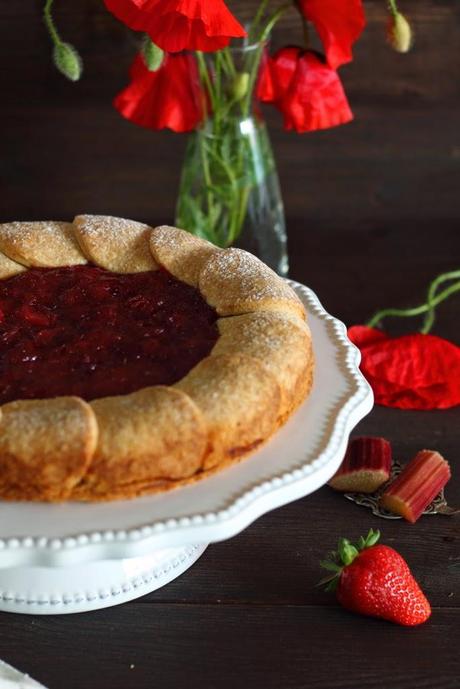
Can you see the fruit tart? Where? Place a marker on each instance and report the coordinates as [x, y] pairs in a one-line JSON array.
[[137, 359]]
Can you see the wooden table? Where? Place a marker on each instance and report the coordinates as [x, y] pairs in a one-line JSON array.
[[248, 615]]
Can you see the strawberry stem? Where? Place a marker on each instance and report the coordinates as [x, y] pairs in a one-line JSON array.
[[346, 553]]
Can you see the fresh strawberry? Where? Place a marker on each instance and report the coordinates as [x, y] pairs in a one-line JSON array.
[[375, 580]]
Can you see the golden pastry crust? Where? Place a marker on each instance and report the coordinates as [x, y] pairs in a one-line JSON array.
[[240, 401], [153, 434], [46, 447], [116, 244], [41, 244], [234, 282], [158, 438], [180, 253], [8, 268], [280, 342]]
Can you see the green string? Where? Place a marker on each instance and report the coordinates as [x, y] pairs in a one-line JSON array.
[[433, 300]]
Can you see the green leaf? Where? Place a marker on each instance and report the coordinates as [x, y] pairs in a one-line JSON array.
[[68, 61], [372, 538], [331, 566], [329, 582], [347, 551], [153, 55], [361, 543]]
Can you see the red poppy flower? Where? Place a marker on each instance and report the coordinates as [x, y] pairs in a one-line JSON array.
[[338, 23], [308, 93], [410, 372], [168, 98], [176, 25]]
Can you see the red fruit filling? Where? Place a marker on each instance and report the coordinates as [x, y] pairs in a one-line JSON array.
[[88, 332]]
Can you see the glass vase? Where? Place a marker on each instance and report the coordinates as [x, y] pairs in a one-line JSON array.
[[229, 191]]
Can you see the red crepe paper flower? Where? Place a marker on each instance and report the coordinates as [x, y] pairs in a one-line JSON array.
[[168, 98], [410, 372], [308, 93], [338, 23], [176, 25]]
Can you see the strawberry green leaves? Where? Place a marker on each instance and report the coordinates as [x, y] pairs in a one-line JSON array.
[[346, 553]]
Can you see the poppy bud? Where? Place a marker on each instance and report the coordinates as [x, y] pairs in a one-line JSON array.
[[240, 85], [153, 55], [399, 33], [67, 61]]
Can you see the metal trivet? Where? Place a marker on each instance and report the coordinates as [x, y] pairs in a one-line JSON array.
[[371, 500]]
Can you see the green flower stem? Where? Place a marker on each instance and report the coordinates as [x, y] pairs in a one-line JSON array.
[[259, 15], [218, 205], [228, 61], [430, 316], [236, 220], [416, 311], [273, 19], [205, 78], [244, 198], [48, 19], [218, 76], [246, 108], [393, 7], [253, 73]]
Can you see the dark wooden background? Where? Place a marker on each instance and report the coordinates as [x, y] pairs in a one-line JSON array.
[[65, 150], [373, 213]]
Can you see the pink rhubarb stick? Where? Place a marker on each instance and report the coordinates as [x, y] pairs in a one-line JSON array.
[[416, 486], [366, 466]]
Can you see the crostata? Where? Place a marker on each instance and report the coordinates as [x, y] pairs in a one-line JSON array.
[[134, 360]]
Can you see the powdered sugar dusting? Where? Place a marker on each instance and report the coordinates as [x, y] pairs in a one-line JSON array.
[[234, 280], [117, 244], [261, 332], [68, 417], [41, 243], [180, 252], [168, 237], [107, 226], [254, 278]]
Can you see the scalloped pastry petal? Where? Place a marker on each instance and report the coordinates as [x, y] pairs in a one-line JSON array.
[[8, 268], [128, 452], [45, 447], [240, 401], [116, 244], [268, 336], [234, 281], [41, 244], [180, 252]]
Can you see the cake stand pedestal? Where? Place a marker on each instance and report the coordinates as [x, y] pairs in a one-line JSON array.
[[93, 585]]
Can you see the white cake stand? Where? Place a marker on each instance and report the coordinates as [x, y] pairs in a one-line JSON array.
[[79, 557]]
